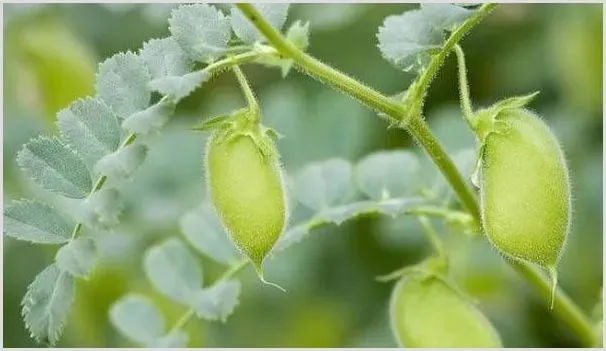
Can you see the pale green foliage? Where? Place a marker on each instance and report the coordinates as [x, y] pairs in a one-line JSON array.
[[55, 166], [218, 301], [204, 231], [407, 40], [201, 30], [325, 184], [46, 304], [91, 128], [138, 319], [176, 88], [151, 119], [165, 58], [425, 311], [77, 257], [35, 222], [102, 208], [122, 163], [122, 83], [170, 69], [339, 214], [388, 174], [173, 270], [274, 13]]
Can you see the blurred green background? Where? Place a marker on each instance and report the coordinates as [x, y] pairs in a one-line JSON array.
[[50, 57]]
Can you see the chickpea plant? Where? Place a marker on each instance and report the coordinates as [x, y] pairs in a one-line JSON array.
[[521, 176]]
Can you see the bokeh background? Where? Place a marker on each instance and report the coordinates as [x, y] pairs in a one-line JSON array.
[[50, 57]]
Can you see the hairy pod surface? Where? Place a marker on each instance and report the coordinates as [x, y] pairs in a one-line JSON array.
[[245, 186], [426, 312], [525, 191]]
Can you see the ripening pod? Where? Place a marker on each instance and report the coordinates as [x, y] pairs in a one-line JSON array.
[[427, 312], [524, 188], [246, 188]]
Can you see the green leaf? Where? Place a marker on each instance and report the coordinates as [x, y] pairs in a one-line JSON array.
[[46, 304], [122, 83], [176, 339], [91, 128], [409, 39], [173, 270], [178, 87], [339, 214], [77, 257], [388, 174], [325, 184], [122, 163], [274, 13], [54, 166], [165, 58], [218, 301], [150, 119], [204, 231], [137, 318], [102, 209], [35, 222], [201, 30]]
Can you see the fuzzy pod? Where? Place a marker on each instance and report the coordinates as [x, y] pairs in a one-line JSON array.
[[525, 189], [425, 311], [246, 189]]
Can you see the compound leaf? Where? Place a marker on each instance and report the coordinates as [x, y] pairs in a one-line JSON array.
[[54, 166], [204, 231], [150, 119], [77, 257], [173, 270], [102, 209], [46, 304], [165, 58], [201, 30], [218, 301], [387, 174], [409, 39], [122, 83], [91, 128], [325, 184], [35, 222], [137, 318], [122, 163], [178, 87]]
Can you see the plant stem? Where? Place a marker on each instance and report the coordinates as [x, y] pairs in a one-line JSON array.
[[248, 93], [568, 311], [463, 85], [433, 237], [213, 67], [563, 306]]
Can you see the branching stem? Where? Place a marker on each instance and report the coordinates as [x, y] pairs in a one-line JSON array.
[[416, 126]]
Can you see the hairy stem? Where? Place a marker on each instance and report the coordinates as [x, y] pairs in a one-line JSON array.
[[567, 311], [433, 237], [212, 68], [464, 85], [248, 93]]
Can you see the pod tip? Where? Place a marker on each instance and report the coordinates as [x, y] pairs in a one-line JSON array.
[[259, 270]]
